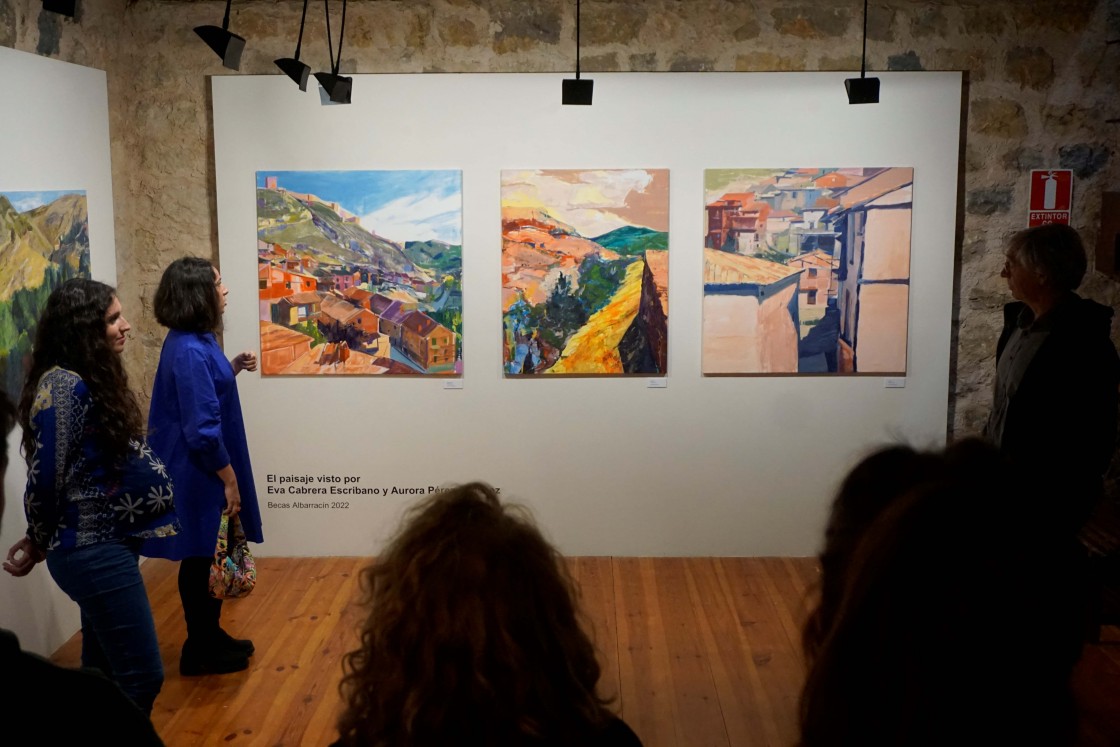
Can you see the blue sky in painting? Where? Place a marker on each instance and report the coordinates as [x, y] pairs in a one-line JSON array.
[[399, 205], [24, 201]]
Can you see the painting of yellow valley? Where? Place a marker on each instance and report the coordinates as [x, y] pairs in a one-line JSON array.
[[585, 271]]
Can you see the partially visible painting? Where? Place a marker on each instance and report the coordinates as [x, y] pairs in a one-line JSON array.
[[806, 270], [44, 241], [585, 271], [360, 272]]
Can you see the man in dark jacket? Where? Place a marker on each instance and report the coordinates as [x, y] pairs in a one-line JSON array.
[[1057, 374]]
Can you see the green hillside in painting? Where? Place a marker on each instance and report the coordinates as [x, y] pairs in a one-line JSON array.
[[437, 256], [39, 250], [322, 233], [633, 240]]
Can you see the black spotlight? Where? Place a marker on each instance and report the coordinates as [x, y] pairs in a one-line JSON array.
[[291, 66], [295, 70], [575, 91], [62, 7], [224, 42], [863, 90], [336, 88]]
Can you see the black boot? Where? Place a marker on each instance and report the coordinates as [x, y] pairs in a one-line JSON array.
[[205, 657], [243, 645], [207, 649]]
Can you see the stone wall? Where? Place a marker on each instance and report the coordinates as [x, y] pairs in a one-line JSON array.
[[1040, 84]]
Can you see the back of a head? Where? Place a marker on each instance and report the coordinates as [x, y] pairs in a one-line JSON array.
[[1056, 250], [473, 635], [187, 297], [953, 626], [875, 483]]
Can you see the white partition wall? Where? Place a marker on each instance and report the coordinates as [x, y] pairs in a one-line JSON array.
[[55, 131], [610, 466]]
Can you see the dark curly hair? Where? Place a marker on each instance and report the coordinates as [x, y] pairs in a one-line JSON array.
[[71, 335], [472, 637], [187, 298]]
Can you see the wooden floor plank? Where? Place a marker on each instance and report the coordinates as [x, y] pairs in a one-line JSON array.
[[774, 652], [279, 671], [745, 706], [595, 580], [701, 651], [698, 718], [323, 719], [644, 680]]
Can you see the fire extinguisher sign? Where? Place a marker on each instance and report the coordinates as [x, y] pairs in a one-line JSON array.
[[1051, 196]]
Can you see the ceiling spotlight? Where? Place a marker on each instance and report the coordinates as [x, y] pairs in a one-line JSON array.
[[575, 91], [224, 42], [291, 66], [863, 90], [62, 7], [334, 88]]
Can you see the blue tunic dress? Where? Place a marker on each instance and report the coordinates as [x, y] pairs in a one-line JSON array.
[[195, 426]]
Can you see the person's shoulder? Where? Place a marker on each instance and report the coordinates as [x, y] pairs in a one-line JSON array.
[[1087, 312], [182, 338], [1086, 325], [60, 376], [190, 345], [58, 385], [87, 697]]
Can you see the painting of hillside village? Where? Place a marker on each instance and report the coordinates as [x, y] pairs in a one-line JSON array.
[[360, 272], [44, 241], [585, 271], [806, 270]]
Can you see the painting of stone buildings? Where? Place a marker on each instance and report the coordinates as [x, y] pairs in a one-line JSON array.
[[806, 270], [360, 272], [44, 241], [585, 271]]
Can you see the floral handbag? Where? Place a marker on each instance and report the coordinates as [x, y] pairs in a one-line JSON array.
[[233, 573]]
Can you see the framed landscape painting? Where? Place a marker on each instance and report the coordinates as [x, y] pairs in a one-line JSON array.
[[806, 270], [360, 272], [44, 241], [585, 271]]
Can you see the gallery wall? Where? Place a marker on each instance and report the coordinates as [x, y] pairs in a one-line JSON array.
[[680, 465], [58, 141]]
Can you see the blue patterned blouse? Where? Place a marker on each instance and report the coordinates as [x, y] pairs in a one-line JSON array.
[[73, 498]]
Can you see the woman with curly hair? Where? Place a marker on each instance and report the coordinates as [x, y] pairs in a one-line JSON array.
[[473, 638], [95, 490], [196, 426]]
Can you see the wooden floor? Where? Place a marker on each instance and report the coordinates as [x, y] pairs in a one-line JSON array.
[[700, 652]]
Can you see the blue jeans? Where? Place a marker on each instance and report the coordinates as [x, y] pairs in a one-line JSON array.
[[118, 632]]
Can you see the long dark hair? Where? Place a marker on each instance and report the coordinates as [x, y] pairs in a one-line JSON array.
[[71, 335], [956, 616], [472, 635], [187, 298]]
